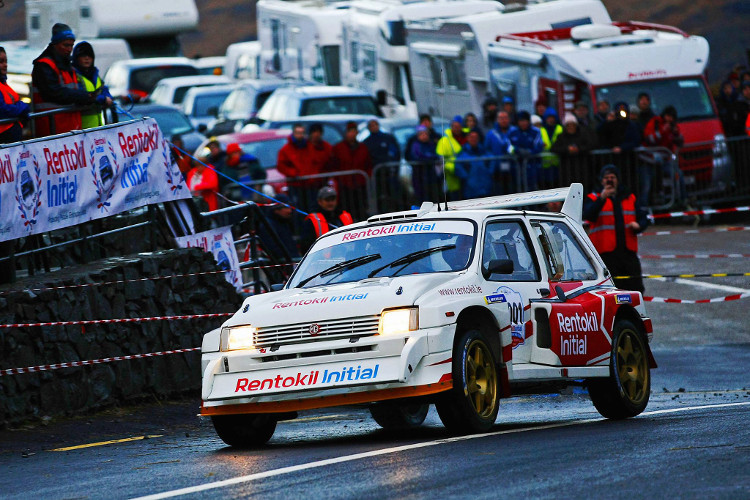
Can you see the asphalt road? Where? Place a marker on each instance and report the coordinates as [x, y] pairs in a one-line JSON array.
[[693, 441]]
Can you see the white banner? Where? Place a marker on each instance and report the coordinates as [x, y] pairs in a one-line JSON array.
[[81, 176], [221, 243]]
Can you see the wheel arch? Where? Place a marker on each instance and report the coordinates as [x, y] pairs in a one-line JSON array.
[[629, 313], [480, 318]]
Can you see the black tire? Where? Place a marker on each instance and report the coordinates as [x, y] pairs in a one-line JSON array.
[[472, 404], [244, 431], [399, 416], [626, 391]]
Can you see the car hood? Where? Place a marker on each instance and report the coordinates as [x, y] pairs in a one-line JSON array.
[[362, 298]]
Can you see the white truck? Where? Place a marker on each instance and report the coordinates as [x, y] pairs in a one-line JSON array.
[[617, 62], [457, 304]]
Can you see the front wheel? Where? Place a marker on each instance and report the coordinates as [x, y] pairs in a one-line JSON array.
[[395, 416], [244, 431], [626, 391], [472, 404]]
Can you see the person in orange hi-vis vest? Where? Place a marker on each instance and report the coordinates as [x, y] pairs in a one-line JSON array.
[[55, 84], [11, 106], [328, 217], [616, 218]]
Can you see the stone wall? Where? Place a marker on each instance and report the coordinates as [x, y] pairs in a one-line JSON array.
[[74, 390]]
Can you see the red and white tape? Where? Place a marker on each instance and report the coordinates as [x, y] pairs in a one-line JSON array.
[[134, 280], [727, 298], [697, 231], [117, 320], [710, 211], [698, 256], [42, 368]]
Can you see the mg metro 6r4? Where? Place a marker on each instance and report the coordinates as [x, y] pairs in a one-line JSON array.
[[457, 304]]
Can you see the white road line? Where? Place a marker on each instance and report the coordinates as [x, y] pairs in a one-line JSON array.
[[387, 451], [704, 284]]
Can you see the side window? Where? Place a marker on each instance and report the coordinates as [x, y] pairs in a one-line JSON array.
[[565, 258], [506, 246]]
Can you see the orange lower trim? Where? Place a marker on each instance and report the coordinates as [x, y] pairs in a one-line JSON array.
[[326, 401]]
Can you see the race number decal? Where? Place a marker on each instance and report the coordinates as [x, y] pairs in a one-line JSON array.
[[514, 300]]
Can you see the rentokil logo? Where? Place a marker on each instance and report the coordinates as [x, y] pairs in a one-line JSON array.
[[573, 324], [308, 379]]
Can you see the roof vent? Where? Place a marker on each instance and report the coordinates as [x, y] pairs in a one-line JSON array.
[[593, 31]]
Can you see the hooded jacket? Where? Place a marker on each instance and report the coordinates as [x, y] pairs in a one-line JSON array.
[[477, 174], [89, 80]]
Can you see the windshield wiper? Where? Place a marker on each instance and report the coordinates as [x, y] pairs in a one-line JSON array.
[[341, 266], [412, 257]]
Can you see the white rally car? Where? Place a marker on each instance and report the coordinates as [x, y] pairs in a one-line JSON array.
[[456, 304]]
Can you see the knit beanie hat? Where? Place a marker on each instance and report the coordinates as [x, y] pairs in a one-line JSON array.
[[61, 32]]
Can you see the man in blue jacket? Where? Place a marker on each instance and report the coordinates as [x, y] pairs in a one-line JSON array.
[[497, 143], [527, 145], [477, 175]]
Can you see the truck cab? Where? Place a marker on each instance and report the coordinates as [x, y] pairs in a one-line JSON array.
[[616, 62]]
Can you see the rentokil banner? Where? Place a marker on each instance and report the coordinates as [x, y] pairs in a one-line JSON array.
[[221, 243], [81, 176]]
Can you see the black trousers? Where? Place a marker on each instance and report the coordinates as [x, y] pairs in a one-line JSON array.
[[623, 262]]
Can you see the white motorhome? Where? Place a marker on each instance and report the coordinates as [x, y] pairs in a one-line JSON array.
[[301, 39], [449, 58], [243, 61], [149, 26], [374, 55]]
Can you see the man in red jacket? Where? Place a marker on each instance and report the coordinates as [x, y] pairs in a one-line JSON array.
[[294, 160], [350, 154], [661, 132]]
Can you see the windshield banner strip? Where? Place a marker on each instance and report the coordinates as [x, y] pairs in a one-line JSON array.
[[401, 229]]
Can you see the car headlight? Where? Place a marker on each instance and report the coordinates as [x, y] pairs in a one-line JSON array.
[[720, 145], [395, 321], [240, 337]]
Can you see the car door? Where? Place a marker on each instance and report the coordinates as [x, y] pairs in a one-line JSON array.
[[574, 332], [512, 277]]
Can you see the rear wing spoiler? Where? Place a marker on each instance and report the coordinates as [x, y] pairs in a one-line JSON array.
[[572, 198]]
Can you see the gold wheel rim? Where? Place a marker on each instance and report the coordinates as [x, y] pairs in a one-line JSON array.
[[481, 379], [632, 367]]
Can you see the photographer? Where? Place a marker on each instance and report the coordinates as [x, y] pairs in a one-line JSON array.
[[616, 218]]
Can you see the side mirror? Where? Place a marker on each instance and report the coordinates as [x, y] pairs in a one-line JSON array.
[[202, 128], [277, 286], [498, 266], [381, 96]]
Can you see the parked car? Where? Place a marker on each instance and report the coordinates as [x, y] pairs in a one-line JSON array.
[[201, 104], [242, 104], [334, 126], [262, 144], [171, 121], [288, 103], [213, 65], [135, 79], [458, 305], [171, 91]]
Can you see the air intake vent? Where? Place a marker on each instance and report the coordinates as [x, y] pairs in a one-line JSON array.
[[543, 333]]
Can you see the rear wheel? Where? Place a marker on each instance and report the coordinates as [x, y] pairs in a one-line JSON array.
[[626, 391], [395, 416], [472, 404], [244, 431]]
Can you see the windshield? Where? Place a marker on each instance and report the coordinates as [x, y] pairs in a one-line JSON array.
[[170, 122], [387, 251], [145, 79], [339, 106], [266, 152], [688, 95], [208, 104]]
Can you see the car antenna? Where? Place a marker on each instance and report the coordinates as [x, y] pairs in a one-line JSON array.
[[445, 176]]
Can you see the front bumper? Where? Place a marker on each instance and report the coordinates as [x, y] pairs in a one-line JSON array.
[[330, 373]]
